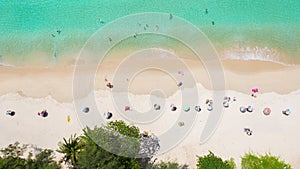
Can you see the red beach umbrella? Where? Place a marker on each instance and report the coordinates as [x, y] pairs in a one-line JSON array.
[[267, 111]]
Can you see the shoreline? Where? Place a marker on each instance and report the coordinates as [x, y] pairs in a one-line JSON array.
[[241, 76]]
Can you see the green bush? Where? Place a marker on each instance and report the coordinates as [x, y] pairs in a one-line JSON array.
[[211, 161], [13, 157], [251, 161]]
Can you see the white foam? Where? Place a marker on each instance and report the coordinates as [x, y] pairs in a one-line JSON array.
[[257, 53], [6, 65]]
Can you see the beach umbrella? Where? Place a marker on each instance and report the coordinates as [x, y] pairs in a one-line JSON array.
[[173, 108], [243, 109], [286, 112], [226, 104], [156, 107], [254, 90], [85, 110], [209, 108], [127, 108], [44, 113], [267, 111], [198, 108], [12, 113], [250, 108], [179, 84], [108, 115], [186, 108]]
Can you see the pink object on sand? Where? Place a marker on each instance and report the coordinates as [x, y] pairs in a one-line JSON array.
[[127, 108], [267, 111], [181, 72], [255, 90]]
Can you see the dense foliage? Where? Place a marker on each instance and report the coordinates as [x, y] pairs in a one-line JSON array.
[[251, 160], [13, 157], [211, 161], [109, 147]]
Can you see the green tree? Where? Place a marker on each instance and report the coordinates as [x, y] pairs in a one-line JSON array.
[[104, 146], [211, 161], [70, 148], [43, 160], [250, 160], [13, 157]]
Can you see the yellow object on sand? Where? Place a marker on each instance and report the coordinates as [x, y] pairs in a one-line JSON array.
[[68, 119]]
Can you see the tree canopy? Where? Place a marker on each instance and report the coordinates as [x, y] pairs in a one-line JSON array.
[[251, 160], [13, 157], [212, 161]]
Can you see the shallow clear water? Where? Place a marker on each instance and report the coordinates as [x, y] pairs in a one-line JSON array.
[[26, 27]]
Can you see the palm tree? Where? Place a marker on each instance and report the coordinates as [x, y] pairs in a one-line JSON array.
[[70, 148]]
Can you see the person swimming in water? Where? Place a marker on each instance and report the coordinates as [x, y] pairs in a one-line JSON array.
[[171, 16], [58, 31], [206, 11], [135, 35], [213, 22], [157, 27], [101, 21]]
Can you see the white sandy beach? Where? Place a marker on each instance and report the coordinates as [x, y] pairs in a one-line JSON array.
[[275, 133], [28, 90]]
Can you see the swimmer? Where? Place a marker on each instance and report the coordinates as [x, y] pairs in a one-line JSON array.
[[100, 20], [135, 35], [213, 22], [157, 27], [58, 31], [206, 11], [171, 16]]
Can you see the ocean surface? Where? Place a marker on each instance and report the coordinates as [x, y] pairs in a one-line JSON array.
[[243, 29]]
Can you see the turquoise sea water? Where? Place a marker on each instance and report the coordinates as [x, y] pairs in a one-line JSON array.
[[26, 26]]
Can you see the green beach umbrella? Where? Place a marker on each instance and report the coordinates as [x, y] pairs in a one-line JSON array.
[[186, 108]]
